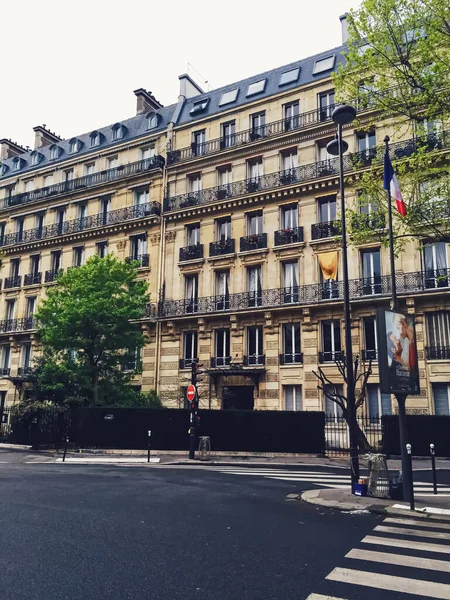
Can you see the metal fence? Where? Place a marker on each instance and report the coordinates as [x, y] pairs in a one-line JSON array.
[[370, 435]]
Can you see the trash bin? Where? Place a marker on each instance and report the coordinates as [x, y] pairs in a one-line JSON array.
[[204, 447], [379, 484], [396, 486]]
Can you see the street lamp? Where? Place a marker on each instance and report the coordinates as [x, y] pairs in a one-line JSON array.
[[343, 115]]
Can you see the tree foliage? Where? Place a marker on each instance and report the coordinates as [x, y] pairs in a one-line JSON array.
[[88, 335]]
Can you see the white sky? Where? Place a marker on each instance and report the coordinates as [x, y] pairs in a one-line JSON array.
[[74, 65]]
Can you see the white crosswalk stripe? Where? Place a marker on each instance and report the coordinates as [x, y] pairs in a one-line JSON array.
[[365, 565]]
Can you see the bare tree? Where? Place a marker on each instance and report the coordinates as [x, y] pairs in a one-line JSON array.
[[331, 391]]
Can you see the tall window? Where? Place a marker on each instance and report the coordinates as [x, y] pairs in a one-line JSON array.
[[289, 216], [10, 309], [189, 348], [148, 152], [254, 286], [371, 272], [138, 246], [35, 261], [95, 139], [31, 306], [78, 256], [89, 169], [69, 174], [39, 224], [441, 398], [370, 338], [255, 354], [141, 196], [255, 223], [195, 183], [55, 261], [332, 410], [102, 249], [289, 161], [105, 209], [60, 220], [224, 180], [223, 229], [222, 290], [5, 357], [366, 141], [14, 267], [291, 112], [222, 347], [327, 209], [82, 214], [291, 343], [290, 281], [326, 105], [29, 185], [257, 125], [438, 334], [48, 180], [25, 355], [191, 293], [331, 340], [19, 229], [379, 403], [293, 397], [113, 162], [193, 234], [254, 172], [228, 134], [435, 260], [198, 142]]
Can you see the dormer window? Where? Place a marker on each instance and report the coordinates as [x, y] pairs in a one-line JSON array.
[[17, 164], [3, 169], [95, 139], [199, 106], [54, 152], [74, 146], [36, 158], [152, 120], [118, 131]]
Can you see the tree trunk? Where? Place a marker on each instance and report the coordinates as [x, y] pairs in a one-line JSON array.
[[363, 442], [95, 388]]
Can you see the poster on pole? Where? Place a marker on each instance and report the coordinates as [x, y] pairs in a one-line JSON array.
[[397, 353]]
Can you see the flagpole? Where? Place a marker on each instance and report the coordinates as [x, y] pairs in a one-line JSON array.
[[391, 242]]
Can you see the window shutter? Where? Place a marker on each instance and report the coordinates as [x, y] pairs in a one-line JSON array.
[[289, 396], [386, 406], [372, 393], [440, 395]]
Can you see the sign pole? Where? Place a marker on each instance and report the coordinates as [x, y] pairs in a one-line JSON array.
[[191, 395]]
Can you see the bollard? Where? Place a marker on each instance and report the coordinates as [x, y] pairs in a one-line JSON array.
[[433, 468], [411, 490], [149, 437], [66, 441]]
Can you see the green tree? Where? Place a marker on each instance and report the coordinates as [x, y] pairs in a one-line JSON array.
[[86, 325]]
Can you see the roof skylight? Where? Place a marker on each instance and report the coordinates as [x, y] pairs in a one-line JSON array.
[[256, 87], [228, 97], [289, 76], [324, 64], [199, 106]]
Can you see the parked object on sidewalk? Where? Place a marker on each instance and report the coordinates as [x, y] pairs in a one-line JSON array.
[[396, 486], [433, 468], [378, 485], [204, 447], [360, 488]]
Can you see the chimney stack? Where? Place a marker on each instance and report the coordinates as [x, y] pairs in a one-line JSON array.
[[44, 137], [188, 87], [9, 149], [146, 101], [344, 27]]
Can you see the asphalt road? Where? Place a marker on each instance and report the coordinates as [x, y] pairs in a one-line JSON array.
[[73, 532]]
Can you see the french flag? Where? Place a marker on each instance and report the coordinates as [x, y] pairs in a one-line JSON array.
[[391, 184]]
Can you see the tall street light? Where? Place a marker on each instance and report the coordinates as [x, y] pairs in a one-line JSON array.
[[343, 115]]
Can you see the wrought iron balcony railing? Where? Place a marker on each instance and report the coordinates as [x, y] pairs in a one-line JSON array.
[[291, 359], [253, 242], [215, 362], [87, 181], [25, 371], [51, 275], [438, 352], [191, 252], [301, 121], [254, 360], [4, 372], [324, 230], [11, 282], [77, 225], [290, 235], [32, 279], [221, 247], [186, 363], [23, 324], [141, 259], [369, 355], [331, 356], [305, 173]]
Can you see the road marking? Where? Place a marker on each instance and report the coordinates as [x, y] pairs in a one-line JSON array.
[[417, 587], [320, 597], [107, 460], [418, 523], [400, 559], [425, 546], [416, 533]]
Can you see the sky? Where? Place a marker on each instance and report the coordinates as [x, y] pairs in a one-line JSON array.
[[73, 65]]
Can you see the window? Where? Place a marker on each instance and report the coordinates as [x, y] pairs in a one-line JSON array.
[[60, 219], [371, 272], [17, 164], [69, 175], [293, 397], [89, 169], [435, 259], [78, 256], [254, 173], [48, 180], [289, 216], [222, 348], [19, 229], [95, 139], [324, 64], [105, 209], [290, 281], [257, 125], [138, 246], [74, 146], [366, 141], [82, 215], [228, 97], [254, 286], [228, 134], [366, 91], [333, 411], [256, 87], [192, 234], [191, 293], [291, 344], [366, 205], [3, 169], [255, 354], [113, 162], [379, 403], [327, 209], [35, 262], [55, 261], [370, 338], [102, 249], [10, 308], [36, 158], [189, 348], [291, 115], [199, 106], [152, 120], [224, 179], [223, 229], [195, 183], [441, 398], [331, 341], [429, 128], [326, 105], [328, 264], [25, 355], [147, 152], [141, 196], [29, 185], [117, 132], [438, 335], [222, 290], [198, 145], [255, 223], [5, 357], [31, 306], [2, 233], [289, 161], [54, 152], [14, 267], [289, 76]]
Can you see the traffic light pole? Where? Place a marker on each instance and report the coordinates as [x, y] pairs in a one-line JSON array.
[[194, 412]]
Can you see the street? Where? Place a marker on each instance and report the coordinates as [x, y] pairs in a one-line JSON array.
[[78, 532]]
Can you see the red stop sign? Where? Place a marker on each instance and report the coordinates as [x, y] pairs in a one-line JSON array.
[[190, 392]]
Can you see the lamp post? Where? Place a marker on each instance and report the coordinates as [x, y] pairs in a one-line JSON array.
[[343, 115]]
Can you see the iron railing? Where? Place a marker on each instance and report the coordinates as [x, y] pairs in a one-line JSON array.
[[4, 372], [254, 360], [326, 229], [32, 278], [25, 371], [325, 168], [221, 247], [331, 356], [11, 282], [438, 352], [191, 252], [369, 355], [186, 363], [290, 235], [22, 324], [141, 259], [51, 275], [253, 242], [291, 359], [337, 442], [82, 224], [216, 362], [87, 181]]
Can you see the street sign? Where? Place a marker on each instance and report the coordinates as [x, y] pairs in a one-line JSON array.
[[190, 392]]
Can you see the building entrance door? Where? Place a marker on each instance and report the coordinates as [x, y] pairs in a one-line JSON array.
[[238, 397]]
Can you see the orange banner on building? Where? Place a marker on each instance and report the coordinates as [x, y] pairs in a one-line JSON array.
[[328, 262]]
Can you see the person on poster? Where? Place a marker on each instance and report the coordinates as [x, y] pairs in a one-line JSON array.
[[402, 354]]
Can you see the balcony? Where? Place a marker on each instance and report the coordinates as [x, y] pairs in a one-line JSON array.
[[25, 371], [12, 282], [438, 352], [88, 181], [332, 290], [291, 359], [32, 279], [142, 260], [367, 355], [290, 235], [438, 278], [328, 229], [191, 252], [51, 276], [336, 355], [86, 223], [373, 220], [4, 372], [23, 324], [186, 363], [255, 241], [221, 247], [217, 362], [254, 360]]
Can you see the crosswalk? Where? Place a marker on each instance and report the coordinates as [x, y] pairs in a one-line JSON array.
[[325, 479], [401, 565]]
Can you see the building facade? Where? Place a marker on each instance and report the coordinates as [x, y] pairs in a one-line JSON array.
[[228, 201]]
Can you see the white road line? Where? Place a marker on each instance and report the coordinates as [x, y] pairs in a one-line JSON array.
[[439, 535], [107, 460], [418, 587], [416, 562], [320, 597], [418, 523], [281, 472], [413, 545]]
